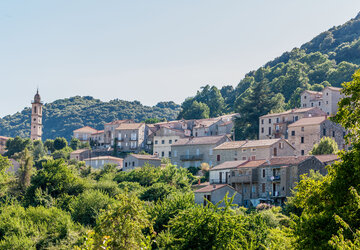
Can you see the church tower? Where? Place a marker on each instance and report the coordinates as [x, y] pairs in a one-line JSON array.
[[36, 118]]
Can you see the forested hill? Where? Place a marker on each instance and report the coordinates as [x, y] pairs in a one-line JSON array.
[[329, 59], [61, 117]]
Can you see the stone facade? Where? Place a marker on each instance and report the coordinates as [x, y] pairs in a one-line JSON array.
[[215, 193], [131, 137], [252, 150], [276, 125], [36, 118], [308, 131], [80, 154], [101, 161], [84, 133], [135, 160], [109, 131], [191, 152], [164, 138]]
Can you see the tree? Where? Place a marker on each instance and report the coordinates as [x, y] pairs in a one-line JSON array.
[[326, 146], [39, 150], [26, 170], [197, 110], [60, 143], [49, 144], [75, 143], [5, 164], [17, 145]]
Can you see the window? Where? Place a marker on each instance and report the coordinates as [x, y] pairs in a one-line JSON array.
[[218, 157], [302, 139], [304, 97], [126, 164], [175, 153], [162, 141], [253, 158], [293, 133], [263, 172], [312, 104], [281, 145], [302, 129], [232, 173], [253, 189], [333, 133], [319, 103], [327, 102], [162, 154], [254, 149], [170, 141], [263, 187], [262, 121], [244, 158], [262, 130], [269, 121], [269, 130], [302, 152], [277, 128], [275, 151], [156, 142], [197, 151], [324, 131], [133, 164], [277, 120], [296, 118], [244, 150], [169, 154]]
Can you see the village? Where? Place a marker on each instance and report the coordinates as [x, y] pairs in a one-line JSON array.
[[253, 171]]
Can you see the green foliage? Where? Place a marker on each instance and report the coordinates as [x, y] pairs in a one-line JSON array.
[[63, 153], [75, 143], [39, 150], [197, 110], [49, 145], [62, 117], [60, 143], [157, 191], [154, 120], [326, 146], [86, 207], [26, 170], [5, 164], [17, 145]]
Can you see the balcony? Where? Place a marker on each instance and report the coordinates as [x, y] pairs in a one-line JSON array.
[[192, 157], [241, 179], [275, 178]]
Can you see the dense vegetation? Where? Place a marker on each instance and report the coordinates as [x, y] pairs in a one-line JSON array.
[[328, 60], [63, 116]]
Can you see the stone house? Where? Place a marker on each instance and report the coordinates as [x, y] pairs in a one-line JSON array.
[[326, 100], [109, 131], [100, 161], [97, 139], [80, 154], [220, 174], [84, 133], [252, 150], [215, 193], [222, 125], [276, 125], [163, 138], [136, 160], [193, 151], [306, 132], [131, 137], [3, 140]]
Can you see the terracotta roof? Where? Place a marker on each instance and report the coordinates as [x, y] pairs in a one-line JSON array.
[[4, 138], [203, 140], [252, 164], [327, 158], [129, 126], [99, 132], [86, 129], [104, 158], [287, 160], [333, 88], [145, 157], [291, 111], [79, 151], [308, 121], [230, 145], [119, 122], [227, 165], [211, 188]]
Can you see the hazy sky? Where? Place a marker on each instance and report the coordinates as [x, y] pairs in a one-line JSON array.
[[148, 50]]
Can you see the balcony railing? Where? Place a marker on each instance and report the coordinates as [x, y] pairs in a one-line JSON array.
[[191, 157], [275, 178]]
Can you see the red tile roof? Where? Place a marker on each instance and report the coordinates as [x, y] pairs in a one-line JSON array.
[[130, 126], [211, 188], [85, 129], [98, 132], [286, 160], [252, 164], [308, 121]]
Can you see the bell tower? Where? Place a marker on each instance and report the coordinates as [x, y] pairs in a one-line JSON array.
[[36, 118]]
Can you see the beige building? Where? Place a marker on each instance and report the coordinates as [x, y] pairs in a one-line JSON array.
[[306, 132], [80, 154], [84, 133], [326, 100], [136, 160], [131, 137], [276, 125], [222, 125], [101, 161], [215, 193], [109, 131], [193, 151], [36, 117], [164, 138], [252, 150], [97, 139], [3, 140]]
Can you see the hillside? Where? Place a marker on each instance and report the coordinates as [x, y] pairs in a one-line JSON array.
[[329, 59], [61, 117]]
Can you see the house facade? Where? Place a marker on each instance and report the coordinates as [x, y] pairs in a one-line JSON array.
[[191, 152], [306, 132], [252, 150], [136, 160], [109, 131], [215, 193], [100, 161], [131, 137], [164, 138], [84, 133]]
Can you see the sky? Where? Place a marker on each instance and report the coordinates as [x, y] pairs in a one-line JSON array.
[[147, 50]]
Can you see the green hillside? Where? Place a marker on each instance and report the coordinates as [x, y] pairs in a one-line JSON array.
[[61, 117], [329, 59]]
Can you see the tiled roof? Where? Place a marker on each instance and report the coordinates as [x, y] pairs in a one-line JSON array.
[[308, 121], [291, 111], [98, 132], [287, 160], [327, 158], [4, 138], [105, 158], [146, 157], [79, 151], [334, 88], [119, 122], [129, 126], [211, 188], [261, 143], [230, 145], [228, 165], [203, 140], [313, 92], [252, 164], [85, 129]]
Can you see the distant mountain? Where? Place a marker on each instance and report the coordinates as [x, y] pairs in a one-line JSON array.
[[63, 116]]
